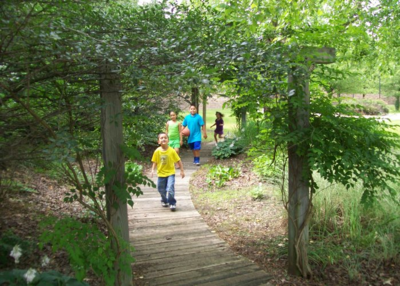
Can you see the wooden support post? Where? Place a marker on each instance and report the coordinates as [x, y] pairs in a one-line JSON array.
[[299, 172], [113, 158]]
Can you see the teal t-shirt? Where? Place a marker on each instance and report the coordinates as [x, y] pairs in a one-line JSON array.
[[194, 123]]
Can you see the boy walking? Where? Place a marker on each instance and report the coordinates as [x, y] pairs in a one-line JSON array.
[[164, 159], [195, 123]]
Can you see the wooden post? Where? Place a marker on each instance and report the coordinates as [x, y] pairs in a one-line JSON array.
[[113, 158], [299, 172]]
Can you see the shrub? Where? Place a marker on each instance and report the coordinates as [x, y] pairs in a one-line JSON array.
[[87, 247], [228, 148], [368, 106], [264, 167]]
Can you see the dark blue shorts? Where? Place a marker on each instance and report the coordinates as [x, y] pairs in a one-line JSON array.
[[195, 145]]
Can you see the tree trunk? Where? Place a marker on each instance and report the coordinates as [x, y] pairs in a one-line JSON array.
[[299, 199], [195, 97], [243, 120], [111, 130], [205, 109]]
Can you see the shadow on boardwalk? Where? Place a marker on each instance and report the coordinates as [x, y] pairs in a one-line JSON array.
[[178, 248]]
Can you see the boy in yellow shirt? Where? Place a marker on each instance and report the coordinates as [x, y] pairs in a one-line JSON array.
[[164, 158]]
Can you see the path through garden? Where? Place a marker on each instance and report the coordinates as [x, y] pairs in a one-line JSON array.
[[178, 248]]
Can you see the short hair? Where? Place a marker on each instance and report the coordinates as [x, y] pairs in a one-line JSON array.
[[159, 134], [220, 114]]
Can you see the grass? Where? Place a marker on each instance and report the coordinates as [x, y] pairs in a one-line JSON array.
[[392, 109], [363, 233], [395, 129]]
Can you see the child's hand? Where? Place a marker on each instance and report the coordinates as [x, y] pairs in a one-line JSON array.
[[182, 174]]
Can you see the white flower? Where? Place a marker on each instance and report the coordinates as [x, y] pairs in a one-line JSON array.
[[230, 146], [243, 129], [30, 275], [45, 260], [16, 252]]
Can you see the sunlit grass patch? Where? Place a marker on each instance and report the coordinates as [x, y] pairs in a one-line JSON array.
[[396, 126]]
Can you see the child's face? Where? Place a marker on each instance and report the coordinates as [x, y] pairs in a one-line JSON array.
[[218, 115], [193, 110], [163, 140], [172, 115]]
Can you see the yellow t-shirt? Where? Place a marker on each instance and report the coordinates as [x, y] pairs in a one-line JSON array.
[[165, 161]]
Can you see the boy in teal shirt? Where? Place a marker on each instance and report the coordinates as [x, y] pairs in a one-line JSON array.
[[195, 123]]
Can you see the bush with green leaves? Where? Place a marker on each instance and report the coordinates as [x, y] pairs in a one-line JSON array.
[[248, 134], [227, 148], [218, 175], [87, 246], [14, 247], [268, 169], [366, 106]]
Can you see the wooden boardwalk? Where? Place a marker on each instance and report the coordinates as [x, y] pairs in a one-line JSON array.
[[178, 248]]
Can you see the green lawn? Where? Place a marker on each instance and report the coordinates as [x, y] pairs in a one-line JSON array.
[[397, 128], [229, 121]]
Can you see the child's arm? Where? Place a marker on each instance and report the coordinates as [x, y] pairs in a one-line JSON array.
[[204, 132], [212, 125], [153, 168], [181, 168], [180, 133], [166, 127]]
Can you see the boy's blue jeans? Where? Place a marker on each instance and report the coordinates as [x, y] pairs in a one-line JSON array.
[[167, 185]]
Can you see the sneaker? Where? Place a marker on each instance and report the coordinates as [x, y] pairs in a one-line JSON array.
[[164, 204], [197, 164], [173, 207]]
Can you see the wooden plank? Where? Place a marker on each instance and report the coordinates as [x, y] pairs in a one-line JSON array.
[[188, 262]]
